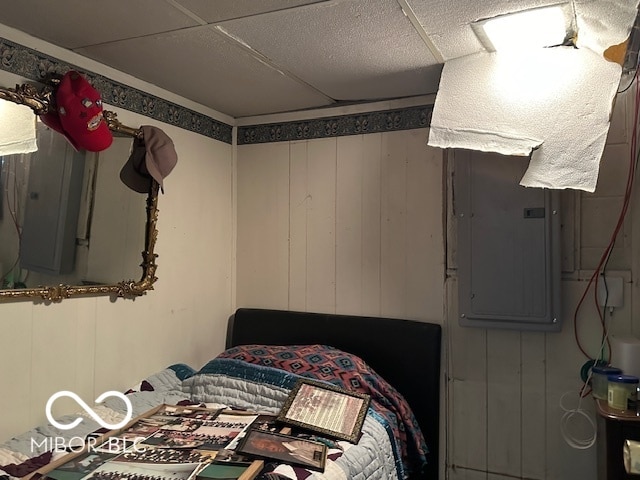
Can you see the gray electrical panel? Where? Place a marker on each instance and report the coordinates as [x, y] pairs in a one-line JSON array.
[[508, 248], [48, 240]]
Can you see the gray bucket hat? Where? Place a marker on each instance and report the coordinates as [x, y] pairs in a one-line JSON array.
[[153, 156]]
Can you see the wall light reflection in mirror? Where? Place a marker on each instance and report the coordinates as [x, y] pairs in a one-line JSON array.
[[17, 129]]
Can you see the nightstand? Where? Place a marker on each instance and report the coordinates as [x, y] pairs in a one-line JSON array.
[[614, 427]]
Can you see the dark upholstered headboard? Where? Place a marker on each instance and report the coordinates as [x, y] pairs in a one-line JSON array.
[[405, 352]]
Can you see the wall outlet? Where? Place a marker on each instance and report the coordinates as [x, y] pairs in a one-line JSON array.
[[611, 291]]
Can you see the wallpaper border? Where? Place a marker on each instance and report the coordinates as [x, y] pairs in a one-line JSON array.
[[340, 125], [34, 65]]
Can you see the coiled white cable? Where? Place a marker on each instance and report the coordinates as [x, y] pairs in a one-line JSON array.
[[572, 414]]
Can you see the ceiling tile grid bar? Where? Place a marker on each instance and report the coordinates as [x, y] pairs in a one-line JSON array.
[[36, 66], [355, 124]]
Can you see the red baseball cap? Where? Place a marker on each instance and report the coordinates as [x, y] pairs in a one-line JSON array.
[[78, 114]]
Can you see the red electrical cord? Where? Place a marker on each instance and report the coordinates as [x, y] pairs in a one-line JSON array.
[[607, 251]]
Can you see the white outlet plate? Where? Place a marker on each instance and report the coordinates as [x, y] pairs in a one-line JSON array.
[[612, 293]]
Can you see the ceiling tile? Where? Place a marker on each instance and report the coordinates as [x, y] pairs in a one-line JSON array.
[[228, 9], [350, 50], [205, 67], [78, 23], [457, 41], [448, 27]]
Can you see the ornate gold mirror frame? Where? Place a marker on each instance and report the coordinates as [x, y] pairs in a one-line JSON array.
[[39, 100]]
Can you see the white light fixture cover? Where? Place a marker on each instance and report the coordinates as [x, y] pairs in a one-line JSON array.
[[554, 105], [528, 29]]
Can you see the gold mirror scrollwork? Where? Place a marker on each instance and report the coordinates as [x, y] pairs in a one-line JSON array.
[[39, 100]]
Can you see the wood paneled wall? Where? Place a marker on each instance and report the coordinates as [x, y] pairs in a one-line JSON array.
[[361, 225], [348, 225]]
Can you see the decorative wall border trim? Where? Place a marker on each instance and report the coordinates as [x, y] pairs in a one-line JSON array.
[[338, 126], [36, 66]]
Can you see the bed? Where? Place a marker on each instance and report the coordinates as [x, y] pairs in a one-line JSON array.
[[406, 354]]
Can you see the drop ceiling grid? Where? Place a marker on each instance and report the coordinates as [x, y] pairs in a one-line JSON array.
[[210, 70], [352, 50], [318, 50]]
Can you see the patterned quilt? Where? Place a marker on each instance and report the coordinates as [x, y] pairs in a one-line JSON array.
[[348, 371]]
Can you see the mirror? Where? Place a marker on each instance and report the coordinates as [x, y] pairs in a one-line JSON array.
[[68, 225]]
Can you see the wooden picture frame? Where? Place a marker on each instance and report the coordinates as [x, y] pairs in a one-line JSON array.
[[231, 470], [284, 448], [326, 409]]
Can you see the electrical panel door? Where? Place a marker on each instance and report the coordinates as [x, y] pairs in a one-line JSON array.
[[48, 240], [508, 245]]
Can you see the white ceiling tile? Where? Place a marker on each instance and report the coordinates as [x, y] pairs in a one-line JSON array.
[[77, 23], [456, 42], [448, 24], [350, 50], [228, 9], [206, 68]]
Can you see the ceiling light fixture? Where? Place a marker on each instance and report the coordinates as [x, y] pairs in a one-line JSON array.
[[528, 29]]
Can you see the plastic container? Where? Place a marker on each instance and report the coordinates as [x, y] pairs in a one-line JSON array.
[[622, 392], [600, 380]]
